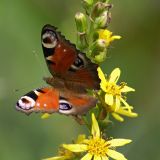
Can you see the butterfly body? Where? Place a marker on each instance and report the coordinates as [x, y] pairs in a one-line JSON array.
[[72, 74]]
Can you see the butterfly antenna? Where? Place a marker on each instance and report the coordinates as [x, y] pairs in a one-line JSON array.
[[39, 63], [27, 87]]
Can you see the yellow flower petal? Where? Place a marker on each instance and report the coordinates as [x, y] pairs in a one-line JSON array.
[[56, 158], [115, 37], [105, 34], [115, 75], [127, 89], [126, 113], [95, 128], [80, 138], [75, 147], [117, 117], [101, 74], [115, 155], [103, 79], [109, 99], [104, 158], [117, 103], [86, 141], [103, 86], [124, 102], [97, 157], [118, 142], [45, 116], [88, 156]]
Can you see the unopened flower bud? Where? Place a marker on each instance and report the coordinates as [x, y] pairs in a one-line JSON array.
[[82, 41], [100, 57], [97, 47], [99, 8], [103, 20], [87, 4], [81, 22]]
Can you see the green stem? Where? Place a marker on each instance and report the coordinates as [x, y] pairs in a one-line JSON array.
[[86, 123]]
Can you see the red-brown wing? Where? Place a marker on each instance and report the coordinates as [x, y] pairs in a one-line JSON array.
[[65, 61], [59, 54], [75, 104]]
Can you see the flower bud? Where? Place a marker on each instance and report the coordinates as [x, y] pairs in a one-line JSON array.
[[97, 47], [82, 41], [103, 20], [100, 57], [88, 2], [87, 5], [81, 22], [99, 8]]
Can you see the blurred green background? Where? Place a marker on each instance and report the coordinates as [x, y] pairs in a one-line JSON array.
[[137, 54]]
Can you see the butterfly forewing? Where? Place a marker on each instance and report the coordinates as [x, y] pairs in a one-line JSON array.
[[65, 61]]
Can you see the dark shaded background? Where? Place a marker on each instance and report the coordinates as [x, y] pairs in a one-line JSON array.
[[137, 54]]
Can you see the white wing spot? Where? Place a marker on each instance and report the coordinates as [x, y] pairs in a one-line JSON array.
[[52, 38], [29, 104], [36, 92], [38, 104], [49, 58]]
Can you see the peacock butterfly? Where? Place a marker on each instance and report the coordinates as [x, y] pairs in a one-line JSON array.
[[72, 74]]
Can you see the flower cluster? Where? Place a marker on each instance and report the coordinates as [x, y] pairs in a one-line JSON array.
[[95, 146], [114, 101], [93, 37]]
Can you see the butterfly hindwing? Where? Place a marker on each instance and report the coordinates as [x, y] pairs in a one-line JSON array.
[[49, 100]]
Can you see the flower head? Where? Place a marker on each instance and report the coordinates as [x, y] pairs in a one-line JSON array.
[[107, 36], [65, 154], [113, 91], [97, 147]]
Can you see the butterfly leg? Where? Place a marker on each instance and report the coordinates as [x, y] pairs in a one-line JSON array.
[[79, 119]]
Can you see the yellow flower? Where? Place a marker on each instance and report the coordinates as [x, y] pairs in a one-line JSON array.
[[98, 148], [107, 36], [113, 92], [65, 154]]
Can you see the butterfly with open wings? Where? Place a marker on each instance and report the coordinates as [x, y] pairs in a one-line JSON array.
[[72, 74]]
